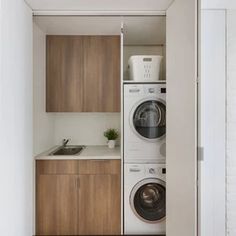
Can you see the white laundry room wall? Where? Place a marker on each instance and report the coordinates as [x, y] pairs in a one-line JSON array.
[[43, 122], [84, 128], [16, 162]]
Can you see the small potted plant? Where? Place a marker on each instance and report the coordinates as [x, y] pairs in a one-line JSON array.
[[111, 135]]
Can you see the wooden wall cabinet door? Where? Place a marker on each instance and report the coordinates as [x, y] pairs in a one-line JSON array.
[[83, 74], [57, 205], [64, 83], [101, 74]]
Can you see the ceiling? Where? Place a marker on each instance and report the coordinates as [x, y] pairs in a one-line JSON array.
[[99, 5], [146, 30]]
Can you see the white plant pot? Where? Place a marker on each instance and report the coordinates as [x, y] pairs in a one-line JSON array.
[[111, 143]]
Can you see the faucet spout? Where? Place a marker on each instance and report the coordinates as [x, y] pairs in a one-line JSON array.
[[65, 141]]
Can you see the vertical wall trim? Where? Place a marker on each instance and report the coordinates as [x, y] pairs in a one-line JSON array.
[[231, 123], [226, 117], [122, 129]]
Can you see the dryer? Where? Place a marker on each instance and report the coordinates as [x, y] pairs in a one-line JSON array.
[[144, 199], [144, 122]]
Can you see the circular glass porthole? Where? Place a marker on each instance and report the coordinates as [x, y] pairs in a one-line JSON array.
[[149, 119], [148, 200]]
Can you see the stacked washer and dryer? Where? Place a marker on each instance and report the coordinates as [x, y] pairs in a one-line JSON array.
[[144, 148]]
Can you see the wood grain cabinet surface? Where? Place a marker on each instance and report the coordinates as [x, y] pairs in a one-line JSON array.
[[83, 74], [83, 198]]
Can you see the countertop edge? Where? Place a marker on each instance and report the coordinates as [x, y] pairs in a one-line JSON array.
[[89, 153]]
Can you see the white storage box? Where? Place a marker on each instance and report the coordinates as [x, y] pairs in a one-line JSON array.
[[144, 68]]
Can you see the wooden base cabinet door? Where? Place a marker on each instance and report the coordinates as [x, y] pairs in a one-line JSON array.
[[56, 205], [99, 204]]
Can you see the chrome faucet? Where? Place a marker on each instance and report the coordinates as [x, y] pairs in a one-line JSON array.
[[65, 141]]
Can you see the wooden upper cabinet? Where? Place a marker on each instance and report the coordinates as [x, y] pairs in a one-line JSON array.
[[64, 86], [102, 73], [83, 74]]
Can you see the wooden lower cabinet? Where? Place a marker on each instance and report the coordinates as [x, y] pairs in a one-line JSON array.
[[99, 205], [56, 205], [78, 204]]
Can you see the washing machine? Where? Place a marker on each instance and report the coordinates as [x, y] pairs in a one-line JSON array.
[[144, 123], [144, 199]]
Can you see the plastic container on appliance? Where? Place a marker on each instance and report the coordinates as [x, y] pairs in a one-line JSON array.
[[144, 68]]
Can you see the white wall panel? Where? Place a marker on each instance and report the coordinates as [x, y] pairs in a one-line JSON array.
[[231, 123], [218, 4], [16, 162], [43, 122], [212, 107], [84, 128], [181, 136]]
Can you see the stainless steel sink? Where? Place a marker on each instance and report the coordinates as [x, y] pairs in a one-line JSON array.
[[67, 150]]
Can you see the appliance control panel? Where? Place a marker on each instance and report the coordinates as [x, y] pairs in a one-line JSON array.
[[146, 170], [156, 170], [144, 89], [152, 89], [152, 171], [136, 169]]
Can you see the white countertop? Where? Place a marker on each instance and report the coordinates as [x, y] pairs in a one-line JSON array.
[[88, 153]]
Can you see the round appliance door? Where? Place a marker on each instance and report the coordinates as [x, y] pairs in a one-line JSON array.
[[148, 200], [149, 120]]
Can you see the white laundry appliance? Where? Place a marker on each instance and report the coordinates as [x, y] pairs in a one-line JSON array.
[[144, 123], [144, 199]]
